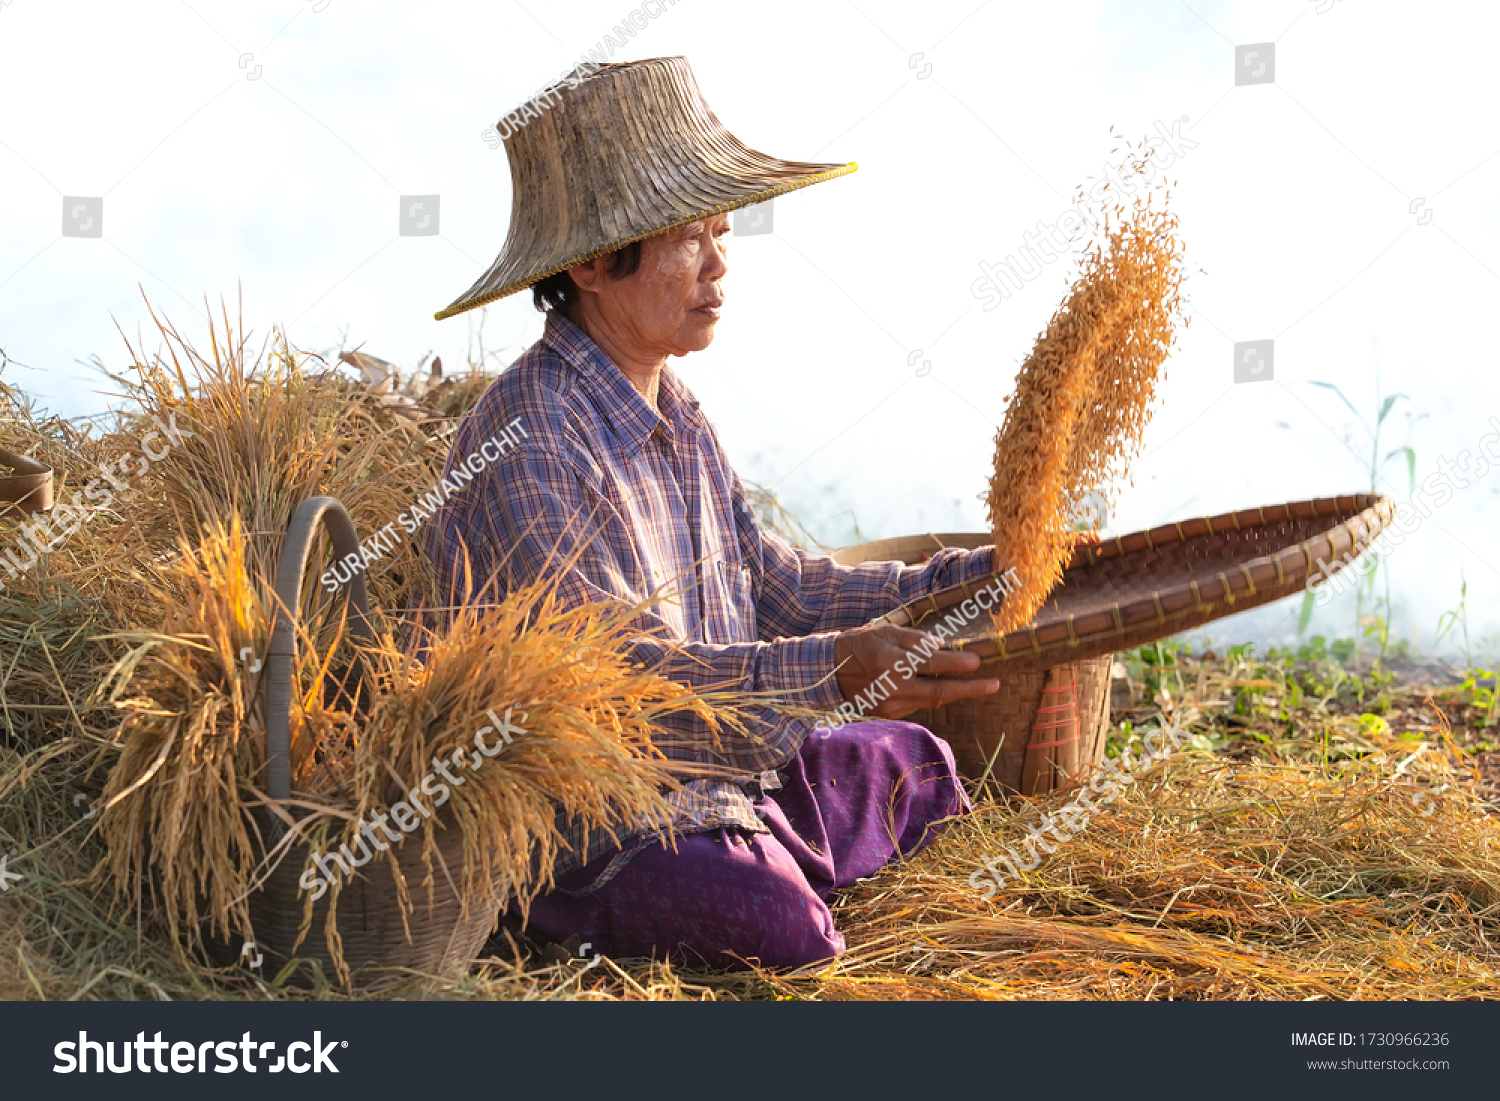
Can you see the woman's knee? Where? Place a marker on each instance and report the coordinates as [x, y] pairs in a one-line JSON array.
[[927, 767], [797, 929], [722, 900]]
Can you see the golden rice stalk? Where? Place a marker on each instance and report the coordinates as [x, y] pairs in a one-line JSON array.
[[247, 433], [258, 435], [1206, 880], [589, 746], [177, 844], [180, 844], [1082, 396]]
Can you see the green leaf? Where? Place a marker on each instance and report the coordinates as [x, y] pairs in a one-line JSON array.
[[1411, 465], [1305, 616], [1386, 408], [1340, 393]]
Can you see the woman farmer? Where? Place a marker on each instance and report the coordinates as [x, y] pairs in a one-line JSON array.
[[618, 223]]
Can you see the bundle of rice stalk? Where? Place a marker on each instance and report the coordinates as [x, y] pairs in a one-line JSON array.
[[255, 436], [584, 734], [1082, 395], [182, 845]]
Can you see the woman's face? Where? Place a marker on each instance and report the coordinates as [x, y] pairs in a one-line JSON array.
[[671, 303]]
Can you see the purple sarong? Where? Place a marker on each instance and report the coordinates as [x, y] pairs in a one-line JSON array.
[[847, 805]]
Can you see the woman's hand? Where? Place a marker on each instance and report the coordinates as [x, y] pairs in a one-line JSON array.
[[877, 662]]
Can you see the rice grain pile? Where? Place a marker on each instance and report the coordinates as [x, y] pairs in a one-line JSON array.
[[1082, 396]]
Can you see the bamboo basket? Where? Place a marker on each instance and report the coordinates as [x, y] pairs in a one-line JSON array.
[[444, 938], [1116, 594], [1042, 729]]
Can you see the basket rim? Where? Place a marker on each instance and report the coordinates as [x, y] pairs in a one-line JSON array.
[[1253, 582]]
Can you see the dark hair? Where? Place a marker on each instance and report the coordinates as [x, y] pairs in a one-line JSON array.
[[559, 290]]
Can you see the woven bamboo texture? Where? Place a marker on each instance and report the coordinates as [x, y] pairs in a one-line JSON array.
[[1141, 587], [1042, 731], [1042, 728], [443, 941], [630, 151], [1116, 594], [910, 549]]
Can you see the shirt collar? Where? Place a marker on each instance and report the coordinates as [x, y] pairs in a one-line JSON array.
[[629, 415]]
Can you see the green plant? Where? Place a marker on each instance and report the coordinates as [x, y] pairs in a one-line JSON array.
[[1377, 626], [1377, 463], [1159, 665], [1304, 615], [1458, 617], [1485, 699], [1315, 649]]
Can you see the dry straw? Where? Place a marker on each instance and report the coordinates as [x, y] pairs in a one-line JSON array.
[[161, 605], [1283, 878], [1082, 396], [192, 749], [1292, 872]]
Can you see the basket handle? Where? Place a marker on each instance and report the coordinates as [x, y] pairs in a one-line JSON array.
[[29, 489], [290, 571]]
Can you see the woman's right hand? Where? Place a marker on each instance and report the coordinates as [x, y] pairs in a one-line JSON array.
[[881, 661]]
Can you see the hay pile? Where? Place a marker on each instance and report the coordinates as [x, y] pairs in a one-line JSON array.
[[1082, 395], [1210, 882], [137, 643], [1291, 862], [191, 750]]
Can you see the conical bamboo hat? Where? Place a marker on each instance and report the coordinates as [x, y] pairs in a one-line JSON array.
[[622, 153]]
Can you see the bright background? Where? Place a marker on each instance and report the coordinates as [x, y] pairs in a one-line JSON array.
[[1296, 206]]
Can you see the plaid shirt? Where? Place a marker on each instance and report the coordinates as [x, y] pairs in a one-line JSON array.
[[669, 515]]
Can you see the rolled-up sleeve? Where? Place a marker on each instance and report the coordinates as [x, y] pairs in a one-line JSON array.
[[799, 593]]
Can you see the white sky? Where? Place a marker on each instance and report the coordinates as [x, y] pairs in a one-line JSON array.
[[1296, 204]]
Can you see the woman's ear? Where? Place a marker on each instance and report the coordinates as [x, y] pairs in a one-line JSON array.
[[587, 276]]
